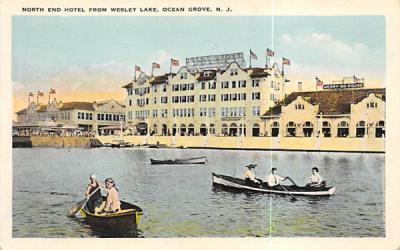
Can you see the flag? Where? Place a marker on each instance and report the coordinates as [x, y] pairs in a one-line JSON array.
[[137, 68], [52, 91], [252, 55], [270, 52], [318, 81], [174, 62], [285, 61], [40, 93], [155, 65], [30, 94]]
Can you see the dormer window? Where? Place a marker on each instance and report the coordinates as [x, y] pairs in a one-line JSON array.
[[299, 106], [184, 75], [234, 72], [372, 105]]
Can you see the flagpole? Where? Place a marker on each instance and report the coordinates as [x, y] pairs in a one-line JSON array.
[[266, 61], [250, 58], [134, 77], [152, 69], [284, 82], [37, 99], [170, 67], [49, 99]]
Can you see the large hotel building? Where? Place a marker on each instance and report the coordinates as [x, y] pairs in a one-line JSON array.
[[216, 97]]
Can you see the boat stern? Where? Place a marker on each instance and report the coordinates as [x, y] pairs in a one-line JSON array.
[[331, 190]]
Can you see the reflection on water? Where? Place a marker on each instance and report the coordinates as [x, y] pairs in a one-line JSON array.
[[179, 201]]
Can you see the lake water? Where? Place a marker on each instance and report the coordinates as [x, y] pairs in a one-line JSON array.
[[179, 201]]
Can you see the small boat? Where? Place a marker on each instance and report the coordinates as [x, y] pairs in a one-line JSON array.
[[239, 185], [198, 160], [121, 223], [158, 146]]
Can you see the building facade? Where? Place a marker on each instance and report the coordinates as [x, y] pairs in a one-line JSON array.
[[212, 101], [85, 116], [330, 113]]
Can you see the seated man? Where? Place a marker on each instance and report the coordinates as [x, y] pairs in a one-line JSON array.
[[316, 180], [250, 176], [273, 179]]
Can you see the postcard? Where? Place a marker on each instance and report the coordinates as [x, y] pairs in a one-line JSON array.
[[265, 125]]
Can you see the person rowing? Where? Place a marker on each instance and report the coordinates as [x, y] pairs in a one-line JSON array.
[[274, 179], [316, 180], [250, 176], [93, 191]]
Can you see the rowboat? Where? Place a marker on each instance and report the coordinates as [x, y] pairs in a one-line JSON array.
[[122, 223], [239, 185], [198, 160]]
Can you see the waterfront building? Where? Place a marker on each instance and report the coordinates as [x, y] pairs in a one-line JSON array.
[[82, 116], [226, 100], [341, 112]]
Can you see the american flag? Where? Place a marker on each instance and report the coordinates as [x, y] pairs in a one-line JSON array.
[[137, 68], [155, 65], [40, 93], [52, 91], [252, 55], [318, 82], [270, 52], [30, 94], [174, 62], [285, 61]]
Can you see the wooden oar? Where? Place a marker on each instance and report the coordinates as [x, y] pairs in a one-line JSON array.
[[287, 191], [290, 179], [78, 206]]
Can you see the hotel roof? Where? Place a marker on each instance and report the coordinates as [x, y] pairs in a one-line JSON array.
[[330, 102], [77, 105]]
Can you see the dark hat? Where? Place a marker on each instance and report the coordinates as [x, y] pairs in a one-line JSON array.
[[273, 169], [251, 166], [316, 169]]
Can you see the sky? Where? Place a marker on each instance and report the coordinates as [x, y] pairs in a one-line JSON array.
[[89, 58]]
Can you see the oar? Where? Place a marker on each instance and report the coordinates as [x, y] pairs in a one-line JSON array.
[[287, 191], [78, 206], [290, 179]]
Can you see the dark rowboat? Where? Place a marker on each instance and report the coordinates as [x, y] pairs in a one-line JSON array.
[[236, 184], [198, 160], [122, 223]]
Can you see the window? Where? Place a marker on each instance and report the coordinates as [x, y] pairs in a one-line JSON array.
[[256, 110], [299, 106], [212, 85], [184, 75], [380, 129], [242, 84], [343, 129], [255, 95], [211, 98], [211, 112], [224, 85], [326, 129], [202, 98], [372, 105], [233, 84], [360, 129], [164, 99], [203, 85], [255, 83], [175, 87], [275, 129], [233, 72], [165, 88], [155, 100]]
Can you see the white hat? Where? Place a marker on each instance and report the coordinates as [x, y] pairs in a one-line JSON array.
[[92, 176]]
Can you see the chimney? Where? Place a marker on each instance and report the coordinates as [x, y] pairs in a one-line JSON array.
[[299, 86]]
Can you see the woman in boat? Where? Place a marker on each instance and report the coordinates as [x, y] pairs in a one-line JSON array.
[[93, 191], [274, 179], [250, 176], [316, 180], [112, 203]]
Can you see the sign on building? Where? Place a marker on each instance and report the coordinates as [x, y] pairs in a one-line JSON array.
[[214, 62], [344, 86]]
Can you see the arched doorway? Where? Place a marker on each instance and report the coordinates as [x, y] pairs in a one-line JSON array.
[[275, 129], [291, 129], [164, 129], [233, 129], [307, 129], [203, 129], [343, 129], [212, 129], [183, 129], [326, 129], [174, 129], [360, 129], [224, 129], [380, 129], [141, 128], [190, 129], [256, 130]]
